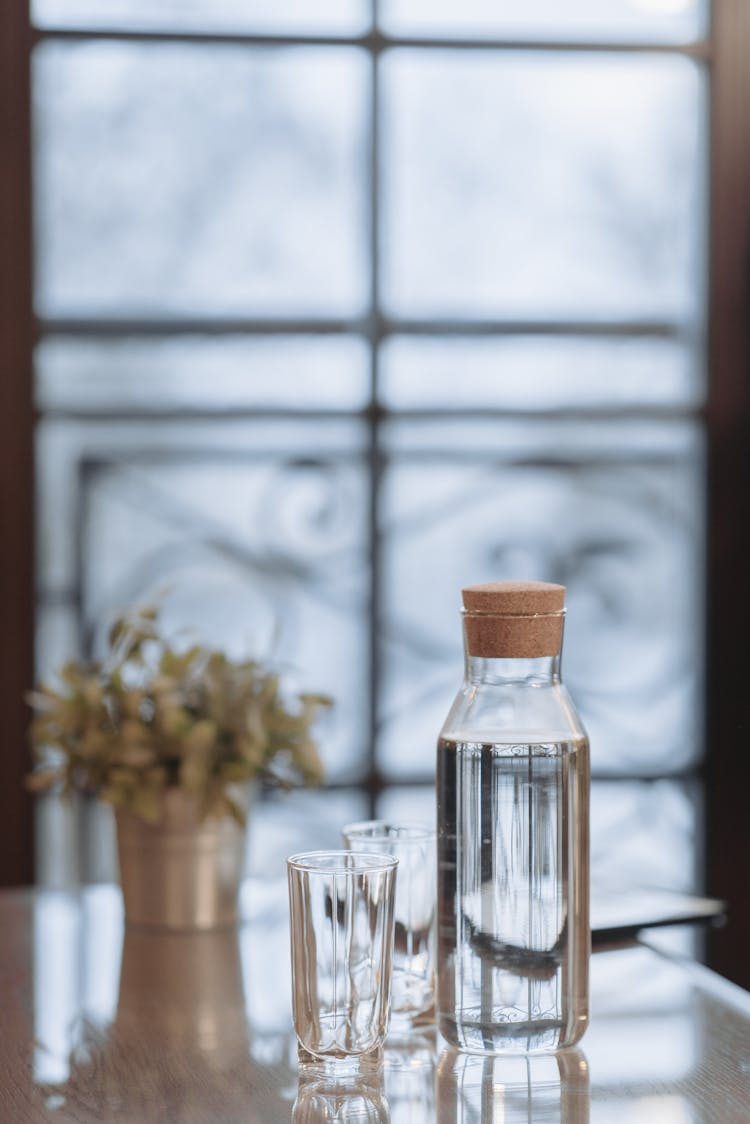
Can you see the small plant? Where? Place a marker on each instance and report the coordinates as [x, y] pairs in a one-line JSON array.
[[149, 717]]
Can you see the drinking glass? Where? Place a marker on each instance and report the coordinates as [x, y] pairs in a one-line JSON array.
[[341, 912], [414, 845]]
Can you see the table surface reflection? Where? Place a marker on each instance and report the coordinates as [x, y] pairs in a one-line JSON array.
[[98, 1024]]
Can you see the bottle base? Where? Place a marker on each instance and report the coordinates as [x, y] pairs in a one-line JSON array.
[[542, 1036]]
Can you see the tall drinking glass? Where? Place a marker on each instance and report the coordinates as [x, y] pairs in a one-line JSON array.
[[414, 845], [341, 913]]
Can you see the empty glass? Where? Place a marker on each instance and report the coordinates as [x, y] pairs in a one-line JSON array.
[[413, 987], [341, 912]]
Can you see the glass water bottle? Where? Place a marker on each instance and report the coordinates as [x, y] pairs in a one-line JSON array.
[[513, 834]]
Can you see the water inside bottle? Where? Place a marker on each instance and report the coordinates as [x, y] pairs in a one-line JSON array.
[[513, 927]]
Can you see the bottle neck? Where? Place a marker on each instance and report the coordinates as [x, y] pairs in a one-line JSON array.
[[510, 646], [540, 669]]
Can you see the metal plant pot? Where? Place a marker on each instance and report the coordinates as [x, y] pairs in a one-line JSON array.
[[180, 874]]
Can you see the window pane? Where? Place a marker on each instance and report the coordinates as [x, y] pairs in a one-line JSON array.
[[64, 449], [645, 834], [260, 559], [201, 373], [539, 373], [530, 186], [639, 20], [56, 639], [619, 526], [154, 198], [335, 17], [298, 821], [408, 804], [253, 536]]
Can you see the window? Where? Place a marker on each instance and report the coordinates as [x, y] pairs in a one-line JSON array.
[[340, 310]]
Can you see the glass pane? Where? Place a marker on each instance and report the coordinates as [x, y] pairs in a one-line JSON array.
[[298, 821], [619, 526], [408, 804], [56, 842], [333, 17], [56, 638], [527, 373], [264, 560], [201, 373], [66, 450], [256, 542], [645, 834], [153, 198], [639, 20], [535, 186]]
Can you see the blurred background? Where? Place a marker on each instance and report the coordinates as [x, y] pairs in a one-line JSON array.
[[314, 313]]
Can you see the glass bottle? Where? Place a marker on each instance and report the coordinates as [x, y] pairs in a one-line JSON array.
[[513, 835]]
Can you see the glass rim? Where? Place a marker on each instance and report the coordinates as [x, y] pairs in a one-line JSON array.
[[323, 862], [403, 831]]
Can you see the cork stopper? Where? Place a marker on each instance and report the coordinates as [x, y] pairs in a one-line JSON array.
[[519, 620]]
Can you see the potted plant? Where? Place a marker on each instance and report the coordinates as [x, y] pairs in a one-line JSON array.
[[172, 737]]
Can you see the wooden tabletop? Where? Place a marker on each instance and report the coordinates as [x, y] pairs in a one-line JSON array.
[[98, 1026]]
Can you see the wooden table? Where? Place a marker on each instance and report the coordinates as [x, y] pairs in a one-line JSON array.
[[149, 1028]]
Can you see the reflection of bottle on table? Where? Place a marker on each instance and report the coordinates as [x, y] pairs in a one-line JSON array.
[[543, 1088]]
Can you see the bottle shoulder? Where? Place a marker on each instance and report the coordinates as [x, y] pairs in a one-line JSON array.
[[514, 713]]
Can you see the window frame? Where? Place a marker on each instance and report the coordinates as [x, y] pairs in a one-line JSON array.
[[16, 440], [726, 771]]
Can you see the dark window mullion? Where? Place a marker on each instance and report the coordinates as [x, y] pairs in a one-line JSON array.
[[16, 442], [374, 325], [728, 532], [375, 415], [376, 42]]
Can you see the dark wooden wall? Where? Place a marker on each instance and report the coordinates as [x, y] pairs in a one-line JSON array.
[[728, 593], [16, 475]]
